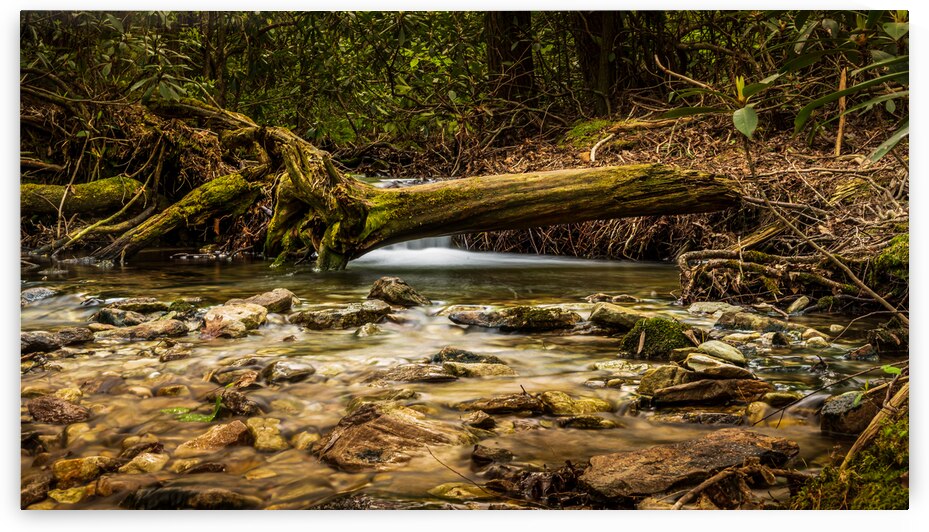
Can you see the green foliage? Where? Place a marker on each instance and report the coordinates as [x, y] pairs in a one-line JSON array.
[[184, 414], [745, 120], [586, 133], [661, 337]]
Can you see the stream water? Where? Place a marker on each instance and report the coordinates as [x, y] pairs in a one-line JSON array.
[[295, 478]]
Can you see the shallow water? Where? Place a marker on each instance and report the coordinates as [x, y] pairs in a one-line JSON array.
[[294, 478]]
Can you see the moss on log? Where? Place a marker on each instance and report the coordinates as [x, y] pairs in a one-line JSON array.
[[104, 196], [229, 194]]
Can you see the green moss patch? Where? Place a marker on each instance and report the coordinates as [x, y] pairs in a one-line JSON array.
[[661, 337], [586, 134]]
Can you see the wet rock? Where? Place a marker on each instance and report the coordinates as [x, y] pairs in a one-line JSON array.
[[119, 317], [57, 411], [655, 338], [401, 394], [108, 485], [150, 447], [38, 293], [663, 377], [354, 315], [598, 298], [143, 305], [523, 318], [865, 352], [240, 378], [890, 340], [71, 395], [70, 473], [277, 300], [192, 498], [482, 456], [777, 338], [754, 322], [38, 342], [741, 338], [304, 440], [395, 291], [146, 331], [480, 420], [74, 335], [799, 304], [266, 432], [614, 317], [812, 333], [642, 472], [34, 488], [173, 390], [708, 366], [586, 423], [713, 391], [835, 328], [416, 373], [851, 412], [383, 435], [237, 403], [453, 354], [504, 404], [233, 321], [368, 329], [712, 307], [778, 399], [218, 437], [817, 342], [562, 404], [145, 463], [722, 351], [285, 370], [477, 370], [69, 496], [712, 418], [625, 298]]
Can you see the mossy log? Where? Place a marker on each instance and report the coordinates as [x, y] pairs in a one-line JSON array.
[[345, 218], [229, 194], [103, 196]]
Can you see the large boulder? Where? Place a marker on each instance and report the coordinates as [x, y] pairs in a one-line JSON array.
[[354, 315], [657, 337], [381, 436], [722, 351], [713, 391], [395, 291], [277, 300], [615, 317], [233, 320], [522, 318], [635, 474], [146, 331]]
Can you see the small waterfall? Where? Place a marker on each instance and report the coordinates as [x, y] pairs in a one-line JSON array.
[[423, 243]]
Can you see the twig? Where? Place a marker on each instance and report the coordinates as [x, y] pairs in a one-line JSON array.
[[593, 151]]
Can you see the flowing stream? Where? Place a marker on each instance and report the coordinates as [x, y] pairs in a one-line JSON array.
[[295, 478]]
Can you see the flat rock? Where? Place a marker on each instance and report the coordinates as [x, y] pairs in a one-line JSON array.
[[57, 411], [639, 473], [146, 331], [453, 354], [522, 318], [504, 404], [218, 437], [141, 304], [401, 394], [190, 498], [74, 335], [38, 342], [395, 291], [145, 463], [562, 404], [353, 315], [615, 317], [722, 351], [712, 307], [217, 320], [709, 366], [416, 373], [713, 391], [277, 300], [459, 369], [37, 293], [285, 370], [382, 436], [663, 377], [850, 414]]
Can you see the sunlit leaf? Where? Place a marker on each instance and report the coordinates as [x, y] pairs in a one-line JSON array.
[[745, 120], [896, 30]]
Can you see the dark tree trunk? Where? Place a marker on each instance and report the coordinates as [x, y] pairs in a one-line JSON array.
[[509, 53], [595, 37]]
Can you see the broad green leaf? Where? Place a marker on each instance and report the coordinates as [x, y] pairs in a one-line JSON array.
[[690, 111], [891, 370], [892, 60], [877, 100], [175, 410], [896, 30], [804, 115], [115, 22], [890, 143], [890, 106], [745, 120]]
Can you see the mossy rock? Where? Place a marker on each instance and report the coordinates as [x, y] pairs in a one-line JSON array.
[[661, 337], [876, 479], [585, 134], [892, 264]]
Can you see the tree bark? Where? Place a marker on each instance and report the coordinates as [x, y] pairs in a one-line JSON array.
[[509, 53]]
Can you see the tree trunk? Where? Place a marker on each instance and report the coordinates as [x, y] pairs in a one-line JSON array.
[[509, 53]]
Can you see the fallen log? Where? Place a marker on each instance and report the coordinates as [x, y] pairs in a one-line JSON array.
[[103, 196]]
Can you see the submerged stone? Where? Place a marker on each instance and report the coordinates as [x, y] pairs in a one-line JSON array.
[[147, 331], [562, 404], [49, 409], [587, 423], [353, 315], [218, 437], [453, 354], [383, 436], [266, 432], [285, 370], [119, 317], [636, 474], [478, 370], [523, 318], [70, 473], [395, 291], [504, 404]]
